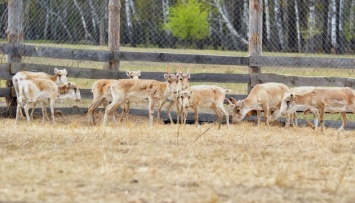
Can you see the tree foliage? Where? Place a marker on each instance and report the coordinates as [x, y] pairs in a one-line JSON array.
[[188, 21]]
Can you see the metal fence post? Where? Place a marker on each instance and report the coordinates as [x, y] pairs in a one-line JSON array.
[[255, 34]]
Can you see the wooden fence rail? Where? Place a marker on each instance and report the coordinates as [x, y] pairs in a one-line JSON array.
[[7, 70]]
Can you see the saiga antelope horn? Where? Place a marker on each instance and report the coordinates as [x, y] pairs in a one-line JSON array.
[[233, 100]]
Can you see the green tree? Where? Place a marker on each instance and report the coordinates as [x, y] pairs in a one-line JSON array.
[[188, 20]]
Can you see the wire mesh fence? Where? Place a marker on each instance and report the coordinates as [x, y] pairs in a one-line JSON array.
[[297, 26], [321, 28]]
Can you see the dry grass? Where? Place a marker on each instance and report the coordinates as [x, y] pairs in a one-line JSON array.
[[74, 162]]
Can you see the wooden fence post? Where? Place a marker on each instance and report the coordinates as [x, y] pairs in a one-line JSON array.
[[114, 8], [255, 34], [14, 37]]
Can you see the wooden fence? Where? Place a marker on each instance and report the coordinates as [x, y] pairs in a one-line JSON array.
[[7, 70], [16, 49]]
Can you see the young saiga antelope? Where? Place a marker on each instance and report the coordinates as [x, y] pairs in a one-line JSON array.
[[153, 90], [99, 88], [205, 96], [43, 91]]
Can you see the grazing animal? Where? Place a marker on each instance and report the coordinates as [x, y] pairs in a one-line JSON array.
[[332, 99], [261, 97], [205, 96], [99, 88], [35, 90]]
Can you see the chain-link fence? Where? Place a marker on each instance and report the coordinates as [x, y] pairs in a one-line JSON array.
[[303, 26], [321, 28]]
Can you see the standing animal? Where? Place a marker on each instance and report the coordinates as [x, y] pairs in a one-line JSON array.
[[205, 96], [154, 91], [183, 83], [36, 90], [332, 99], [59, 77], [291, 116], [99, 88], [261, 97]]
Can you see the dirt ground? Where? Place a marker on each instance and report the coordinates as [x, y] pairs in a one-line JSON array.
[[72, 161]]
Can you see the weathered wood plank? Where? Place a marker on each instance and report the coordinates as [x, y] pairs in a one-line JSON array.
[[72, 71], [203, 117], [100, 74], [292, 81], [4, 92], [4, 71], [183, 58], [303, 62], [60, 53], [106, 56], [87, 94]]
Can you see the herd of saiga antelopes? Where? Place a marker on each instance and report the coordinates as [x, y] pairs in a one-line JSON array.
[[272, 98]]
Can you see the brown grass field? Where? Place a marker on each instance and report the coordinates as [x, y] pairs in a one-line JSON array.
[[130, 162]]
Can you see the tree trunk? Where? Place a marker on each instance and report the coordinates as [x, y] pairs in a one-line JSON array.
[[129, 22], [352, 17], [351, 25], [340, 33], [298, 30], [103, 12], [245, 25], [59, 19], [267, 23], [167, 33], [88, 35], [29, 32], [279, 27], [312, 25], [333, 21], [95, 20], [285, 17], [114, 30], [222, 11], [46, 24], [326, 27]]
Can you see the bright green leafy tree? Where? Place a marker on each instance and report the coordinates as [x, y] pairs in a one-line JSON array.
[[188, 20]]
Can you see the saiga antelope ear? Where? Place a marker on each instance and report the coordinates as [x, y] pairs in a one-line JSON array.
[[166, 76], [242, 103], [139, 73], [127, 73], [55, 70]]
